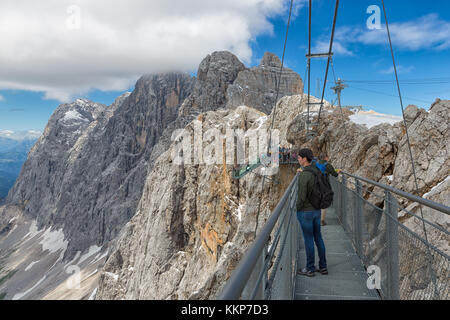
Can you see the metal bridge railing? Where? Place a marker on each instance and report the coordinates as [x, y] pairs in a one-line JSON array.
[[411, 265], [406, 252], [268, 268]]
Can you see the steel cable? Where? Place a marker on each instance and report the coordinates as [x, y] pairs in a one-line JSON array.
[[433, 276]]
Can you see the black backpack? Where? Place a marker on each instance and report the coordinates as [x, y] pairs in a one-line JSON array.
[[322, 194]]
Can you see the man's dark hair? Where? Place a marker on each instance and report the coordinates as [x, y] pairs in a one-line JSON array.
[[306, 153]]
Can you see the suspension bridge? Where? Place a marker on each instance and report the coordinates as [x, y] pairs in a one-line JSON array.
[[360, 238], [371, 254]]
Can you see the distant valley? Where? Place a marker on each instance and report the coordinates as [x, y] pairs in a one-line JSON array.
[[14, 147]]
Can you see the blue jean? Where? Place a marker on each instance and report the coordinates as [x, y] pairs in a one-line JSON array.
[[310, 223]]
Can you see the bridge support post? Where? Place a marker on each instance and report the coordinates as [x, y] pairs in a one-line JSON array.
[[393, 276], [266, 271], [293, 247], [250, 290], [344, 198], [336, 184], [358, 222]]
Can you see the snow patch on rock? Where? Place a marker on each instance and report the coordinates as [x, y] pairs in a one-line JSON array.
[[92, 250], [74, 115], [53, 241], [31, 265], [372, 118], [436, 188], [92, 296]]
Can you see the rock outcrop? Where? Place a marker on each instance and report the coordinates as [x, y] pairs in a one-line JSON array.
[[429, 136], [215, 73], [193, 226], [381, 153], [257, 87], [85, 176], [102, 182], [224, 82], [87, 171], [83, 180]]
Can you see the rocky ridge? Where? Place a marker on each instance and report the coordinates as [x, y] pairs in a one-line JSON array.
[[85, 176], [197, 208]]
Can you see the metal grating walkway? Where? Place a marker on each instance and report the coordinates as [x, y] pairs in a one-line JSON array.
[[347, 277]]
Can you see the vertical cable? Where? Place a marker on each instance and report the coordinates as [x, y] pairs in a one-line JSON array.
[[433, 276], [275, 108], [309, 65], [329, 58]]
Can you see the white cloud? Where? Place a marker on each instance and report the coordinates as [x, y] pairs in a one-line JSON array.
[[322, 46], [20, 135], [121, 40], [2, 98], [400, 69], [425, 33]]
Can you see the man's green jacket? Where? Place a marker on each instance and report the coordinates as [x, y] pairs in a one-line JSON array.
[[305, 187]]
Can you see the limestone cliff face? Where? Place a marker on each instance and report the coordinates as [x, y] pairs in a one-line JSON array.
[[104, 178], [215, 73], [87, 171], [257, 87], [192, 227], [46, 165], [381, 152], [430, 145], [224, 82], [85, 177], [79, 186]]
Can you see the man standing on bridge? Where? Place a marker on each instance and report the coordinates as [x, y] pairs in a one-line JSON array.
[[308, 216]]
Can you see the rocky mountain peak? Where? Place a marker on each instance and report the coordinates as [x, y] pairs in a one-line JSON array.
[[87, 174], [257, 87], [270, 60], [215, 73]]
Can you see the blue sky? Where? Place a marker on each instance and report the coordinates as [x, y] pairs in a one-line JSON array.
[[421, 36], [369, 61]]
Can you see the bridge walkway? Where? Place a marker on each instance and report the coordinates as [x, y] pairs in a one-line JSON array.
[[347, 277]]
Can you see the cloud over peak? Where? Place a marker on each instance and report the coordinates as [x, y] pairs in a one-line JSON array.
[[65, 48]]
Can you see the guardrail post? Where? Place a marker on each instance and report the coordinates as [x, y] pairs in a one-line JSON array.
[[358, 216], [295, 241], [253, 280], [393, 277], [292, 248], [344, 197], [266, 274], [335, 185]]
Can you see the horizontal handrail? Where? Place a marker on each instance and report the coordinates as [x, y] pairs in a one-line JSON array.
[[238, 280], [401, 209], [414, 234], [431, 204]]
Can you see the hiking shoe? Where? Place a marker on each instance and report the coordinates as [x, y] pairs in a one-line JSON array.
[[323, 271], [305, 272]]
